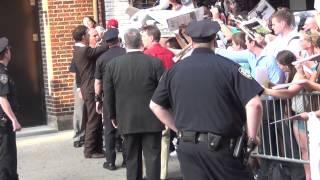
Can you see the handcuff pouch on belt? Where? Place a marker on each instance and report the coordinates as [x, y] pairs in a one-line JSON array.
[[213, 141], [188, 136]]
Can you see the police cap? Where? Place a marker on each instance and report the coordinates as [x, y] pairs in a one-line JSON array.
[[3, 43], [202, 31], [111, 34]]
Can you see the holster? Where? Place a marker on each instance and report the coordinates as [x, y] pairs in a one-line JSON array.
[[240, 146], [243, 148]]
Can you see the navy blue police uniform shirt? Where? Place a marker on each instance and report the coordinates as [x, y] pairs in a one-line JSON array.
[[7, 88], [105, 58], [207, 93]]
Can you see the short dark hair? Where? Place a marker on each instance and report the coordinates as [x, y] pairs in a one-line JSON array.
[[239, 38], [133, 38], [173, 43], [113, 41], [284, 15], [152, 31], [255, 42], [79, 32]]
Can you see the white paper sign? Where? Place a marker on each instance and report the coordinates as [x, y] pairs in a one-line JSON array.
[[263, 10], [184, 19], [315, 57]]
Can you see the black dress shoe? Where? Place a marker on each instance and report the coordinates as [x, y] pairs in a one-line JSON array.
[[94, 155], [77, 144], [119, 148], [109, 166]]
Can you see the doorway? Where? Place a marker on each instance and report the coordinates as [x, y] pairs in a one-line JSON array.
[[19, 22]]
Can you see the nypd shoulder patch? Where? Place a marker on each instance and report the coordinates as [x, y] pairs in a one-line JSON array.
[[243, 72], [3, 78]]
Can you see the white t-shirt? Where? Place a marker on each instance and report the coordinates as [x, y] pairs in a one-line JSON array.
[[290, 42]]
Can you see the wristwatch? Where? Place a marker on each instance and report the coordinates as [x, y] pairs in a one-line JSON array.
[[98, 98], [251, 144]]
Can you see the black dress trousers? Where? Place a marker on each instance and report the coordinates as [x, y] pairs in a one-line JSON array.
[[150, 144], [8, 152], [111, 138], [198, 162]]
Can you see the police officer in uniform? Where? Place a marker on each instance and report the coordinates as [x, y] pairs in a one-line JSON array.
[[111, 135], [8, 121], [212, 98]]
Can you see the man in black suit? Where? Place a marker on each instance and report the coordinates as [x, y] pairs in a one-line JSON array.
[[85, 60], [129, 83]]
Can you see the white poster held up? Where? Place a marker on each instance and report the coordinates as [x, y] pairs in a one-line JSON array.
[[185, 18], [263, 10]]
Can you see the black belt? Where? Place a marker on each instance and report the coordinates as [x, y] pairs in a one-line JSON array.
[[211, 139]]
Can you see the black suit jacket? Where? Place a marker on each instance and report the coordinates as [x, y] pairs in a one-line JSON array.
[[129, 83], [85, 60]]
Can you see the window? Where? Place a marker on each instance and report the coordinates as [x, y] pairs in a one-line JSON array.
[[142, 4]]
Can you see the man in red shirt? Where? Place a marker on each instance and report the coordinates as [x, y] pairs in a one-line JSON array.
[[151, 37]]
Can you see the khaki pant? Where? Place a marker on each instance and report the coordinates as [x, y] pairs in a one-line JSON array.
[[79, 117], [165, 144]]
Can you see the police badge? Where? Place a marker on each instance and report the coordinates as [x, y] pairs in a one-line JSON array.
[[243, 72], [3, 78]]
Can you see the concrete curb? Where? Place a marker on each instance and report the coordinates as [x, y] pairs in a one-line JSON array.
[[38, 130]]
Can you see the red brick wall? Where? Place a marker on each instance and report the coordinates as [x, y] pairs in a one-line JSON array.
[[60, 17]]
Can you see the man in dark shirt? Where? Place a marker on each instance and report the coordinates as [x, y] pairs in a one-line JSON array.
[[211, 97], [85, 60], [8, 120], [110, 133], [130, 81]]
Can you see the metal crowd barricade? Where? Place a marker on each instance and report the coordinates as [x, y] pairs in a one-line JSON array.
[[283, 136]]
